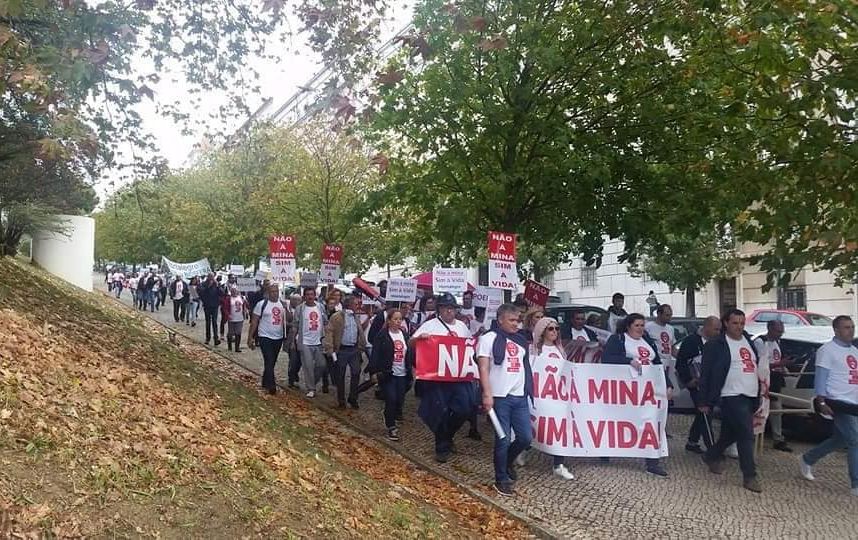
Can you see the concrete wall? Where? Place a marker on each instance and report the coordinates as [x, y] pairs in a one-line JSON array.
[[68, 257]]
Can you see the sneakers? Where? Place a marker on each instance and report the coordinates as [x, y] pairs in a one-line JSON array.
[[657, 470], [694, 448], [716, 466], [752, 484], [782, 446], [311, 394], [563, 472], [217, 342], [807, 470], [504, 489], [732, 452], [392, 434], [442, 457]]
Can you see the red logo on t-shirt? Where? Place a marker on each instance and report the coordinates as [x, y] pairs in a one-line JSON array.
[[553, 355], [643, 353], [747, 360], [275, 316], [581, 338], [665, 343], [398, 348], [513, 364], [851, 362], [314, 320], [853, 369]]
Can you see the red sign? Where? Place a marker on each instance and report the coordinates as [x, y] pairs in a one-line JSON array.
[[332, 254], [282, 246], [535, 293], [446, 358], [502, 246]]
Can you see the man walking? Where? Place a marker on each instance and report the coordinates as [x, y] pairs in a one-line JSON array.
[[179, 293], [344, 342], [729, 379], [688, 363], [507, 382], [294, 370], [210, 296], [769, 347], [836, 388], [310, 321], [267, 324]]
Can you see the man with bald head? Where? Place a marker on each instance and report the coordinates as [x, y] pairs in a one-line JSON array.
[[688, 362]]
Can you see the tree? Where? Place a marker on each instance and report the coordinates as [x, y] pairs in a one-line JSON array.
[[570, 121], [689, 263]]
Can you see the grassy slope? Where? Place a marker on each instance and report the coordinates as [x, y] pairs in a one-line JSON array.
[[107, 430]]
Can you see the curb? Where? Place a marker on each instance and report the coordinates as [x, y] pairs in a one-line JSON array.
[[538, 530]]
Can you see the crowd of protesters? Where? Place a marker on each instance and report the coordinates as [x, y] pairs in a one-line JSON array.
[[357, 343]]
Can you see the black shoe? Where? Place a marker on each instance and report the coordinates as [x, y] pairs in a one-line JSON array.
[[442, 457], [354, 405], [504, 489], [229, 345], [341, 405], [695, 448], [782, 446], [511, 472], [207, 342], [217, 342], [236, 348], [657, 470], [392, 434], [475, 435], [272, 391], [193, 324], [292, 384], [324, 389]]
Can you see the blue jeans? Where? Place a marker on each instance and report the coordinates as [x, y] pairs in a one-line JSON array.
[[514, 416], [393, 389], [845, 435]]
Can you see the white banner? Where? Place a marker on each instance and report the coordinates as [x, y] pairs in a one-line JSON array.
[[188, 270], [261, 275], [491, 299], [246, 284], [401, 290], [451, 280], [283, 270], [309, 280], [587, 410], [330, 273], [236, 269]]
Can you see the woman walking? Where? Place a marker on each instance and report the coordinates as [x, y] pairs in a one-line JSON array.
[[391, 364], [237, 313], [548, 349]]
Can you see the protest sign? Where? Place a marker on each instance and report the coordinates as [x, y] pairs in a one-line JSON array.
[[451, 280], [196, 268], [491, 299], [246, 284], [236, 269], [446, 358], [261, 275], [332, 259], [598, 410], [503, 270], [309, 280], [401, 290], [535, 293], [283, 270]]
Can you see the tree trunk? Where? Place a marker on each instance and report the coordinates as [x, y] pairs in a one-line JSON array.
[[689, 302]]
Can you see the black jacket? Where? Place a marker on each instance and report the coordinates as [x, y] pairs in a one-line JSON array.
[[716, 365], [375, 326], [210, 295], [615, 352], [381, 360], [186, 291], [691, 347]]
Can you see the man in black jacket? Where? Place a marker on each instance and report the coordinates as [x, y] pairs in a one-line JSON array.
[[688, 364], [210, 295], [730, 380]]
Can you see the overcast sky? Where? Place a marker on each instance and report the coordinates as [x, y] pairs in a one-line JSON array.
[[279, 80]]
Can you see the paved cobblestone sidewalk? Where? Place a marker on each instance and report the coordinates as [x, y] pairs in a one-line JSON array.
[[617, 499]]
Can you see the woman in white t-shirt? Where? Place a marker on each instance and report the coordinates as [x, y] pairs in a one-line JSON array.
[[391, 364], [238, 311], [548, 349], [631, 346]]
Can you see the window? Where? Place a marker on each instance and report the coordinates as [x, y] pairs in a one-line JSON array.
[[818, 320], [765, 316], [588, 277], [790, 320], [792, 298]]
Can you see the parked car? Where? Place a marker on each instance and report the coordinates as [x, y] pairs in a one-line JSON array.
[[789, 317], [596, 316]]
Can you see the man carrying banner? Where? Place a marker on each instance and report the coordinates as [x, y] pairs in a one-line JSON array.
[[729, 379], [507, 383], [688, 363], [444, 406]]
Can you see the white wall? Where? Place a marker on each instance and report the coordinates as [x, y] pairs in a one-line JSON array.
[[68, 257]]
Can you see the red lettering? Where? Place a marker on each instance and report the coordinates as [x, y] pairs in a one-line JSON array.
[[598, 392], [648, 437], [627, 434], [597, 433], [556, 431], [648, 394]]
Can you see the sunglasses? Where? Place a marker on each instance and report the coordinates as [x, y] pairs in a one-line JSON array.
[[554, 328]]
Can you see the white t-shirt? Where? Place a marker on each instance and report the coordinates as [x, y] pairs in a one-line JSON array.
[[579, 335], [742, 379], [842, 364], [549, 352], [467, 313], [236, 309], [399, 350], [270, 322], [506, 379], [664, 337], [475, 327], [769, 351], [639, 349], [180, 287], [311, 325], [435, 327]]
